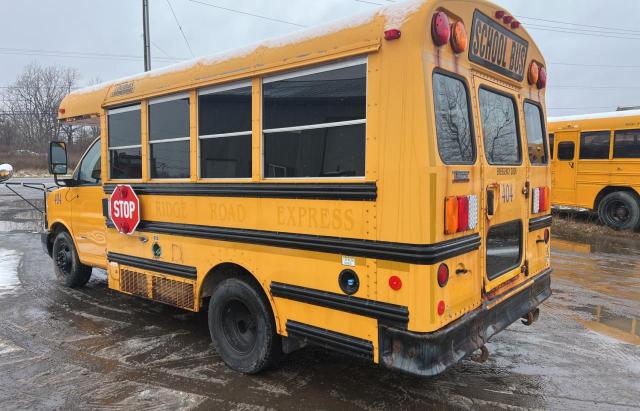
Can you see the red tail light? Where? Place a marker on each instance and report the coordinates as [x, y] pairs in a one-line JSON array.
[[443, 275], [507, 19], [515, 24], [463, 213], [540, 201], [440, 29], [500, 14], [460, 214]]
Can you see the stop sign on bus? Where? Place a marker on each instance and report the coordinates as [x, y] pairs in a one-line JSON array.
[[124, 209]]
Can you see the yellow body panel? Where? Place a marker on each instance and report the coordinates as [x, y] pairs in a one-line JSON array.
[[401, 159], [580, 182]]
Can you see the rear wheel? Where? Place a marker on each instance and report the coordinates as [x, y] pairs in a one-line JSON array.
[[620, 210], [67, 266], [242, 326]]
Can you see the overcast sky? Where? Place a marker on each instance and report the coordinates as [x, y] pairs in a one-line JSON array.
[[597, 70]]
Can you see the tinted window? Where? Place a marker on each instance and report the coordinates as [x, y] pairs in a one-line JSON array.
[[325, 97], [320, 100], [124, 128], [566, 150], [125, 163], [453, 125], [226, 111], [626, 144], [594, 145], [124, 138], [226, 157], [534, 123], [323, 152], [551, 141], [169, 119], [499, 128], [89, 172], [503, 248]]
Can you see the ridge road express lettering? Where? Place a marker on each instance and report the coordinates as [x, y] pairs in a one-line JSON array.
[[496, 48]]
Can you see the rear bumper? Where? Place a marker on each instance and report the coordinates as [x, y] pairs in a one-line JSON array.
[[431, 354]]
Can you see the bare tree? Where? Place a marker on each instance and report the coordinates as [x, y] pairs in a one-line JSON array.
[[31, 106]]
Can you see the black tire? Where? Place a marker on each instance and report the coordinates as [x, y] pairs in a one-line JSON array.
[[620, 210], [242, 327], [67, 266]]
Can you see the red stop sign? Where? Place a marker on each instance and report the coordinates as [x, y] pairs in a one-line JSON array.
[[124, 209]]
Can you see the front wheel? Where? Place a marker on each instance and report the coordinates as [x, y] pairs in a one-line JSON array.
[[242, 326], [67, 266], [620, 210]]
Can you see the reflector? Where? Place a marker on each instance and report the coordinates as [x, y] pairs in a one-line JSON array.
[[443, 275]]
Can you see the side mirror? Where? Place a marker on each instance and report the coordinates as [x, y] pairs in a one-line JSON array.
[[6, 172], [57, 158]]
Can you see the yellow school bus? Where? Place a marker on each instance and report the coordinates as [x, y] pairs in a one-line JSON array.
[[377, 186], [597, 165]]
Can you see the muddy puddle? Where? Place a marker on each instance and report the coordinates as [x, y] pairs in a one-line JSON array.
[[608, 271]]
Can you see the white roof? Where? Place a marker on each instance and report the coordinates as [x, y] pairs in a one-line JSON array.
[[594, 116]]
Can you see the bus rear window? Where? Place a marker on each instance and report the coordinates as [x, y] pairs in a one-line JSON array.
[[534, 123], [499, 128], [626, 144], [453, 123]]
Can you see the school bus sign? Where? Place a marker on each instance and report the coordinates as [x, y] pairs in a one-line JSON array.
[[124, 209]]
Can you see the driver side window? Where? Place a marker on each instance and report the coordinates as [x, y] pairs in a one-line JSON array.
[[90, 168]]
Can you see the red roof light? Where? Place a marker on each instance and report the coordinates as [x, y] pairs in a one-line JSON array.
[[392, 34]]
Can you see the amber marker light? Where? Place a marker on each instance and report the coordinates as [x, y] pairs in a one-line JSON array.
[[459, 39]]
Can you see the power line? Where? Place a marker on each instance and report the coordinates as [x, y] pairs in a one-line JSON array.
[[570, 31], [79, 54], [246, 13], [180, 27], [580, 25]]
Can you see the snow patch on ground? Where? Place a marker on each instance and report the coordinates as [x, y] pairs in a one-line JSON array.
[[9, 261]]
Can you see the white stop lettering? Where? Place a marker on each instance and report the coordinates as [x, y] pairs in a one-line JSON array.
[[123, 209]]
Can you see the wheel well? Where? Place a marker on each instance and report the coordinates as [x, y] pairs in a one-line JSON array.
[[612, 189], [55, 229], [228, 270]]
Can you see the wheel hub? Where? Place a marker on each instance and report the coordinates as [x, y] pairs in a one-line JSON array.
[[239, 326], [63, 259]]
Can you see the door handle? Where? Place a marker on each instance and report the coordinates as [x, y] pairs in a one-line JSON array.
[[491, 194]]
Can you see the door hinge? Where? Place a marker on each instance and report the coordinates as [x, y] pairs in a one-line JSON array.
[[526, 189], [525, 268]]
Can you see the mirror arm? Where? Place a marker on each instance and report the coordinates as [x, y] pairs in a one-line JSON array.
[[66, 182]]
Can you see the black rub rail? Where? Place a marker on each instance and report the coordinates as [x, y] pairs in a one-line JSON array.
[[539, 223], [343, 343], [424, 254], [315, 191], [397, 315], [178, 270]]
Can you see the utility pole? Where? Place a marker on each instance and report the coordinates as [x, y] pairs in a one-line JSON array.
[[147, 41]]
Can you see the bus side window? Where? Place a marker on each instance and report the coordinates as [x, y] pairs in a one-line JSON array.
[[224, 127], [594, 145], [169, 137], [551, 140], [125, 142], [453, 120], [566, 150], [626, 144], [314, 122]]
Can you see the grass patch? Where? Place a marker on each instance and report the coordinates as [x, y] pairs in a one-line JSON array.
[[584, 224]]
